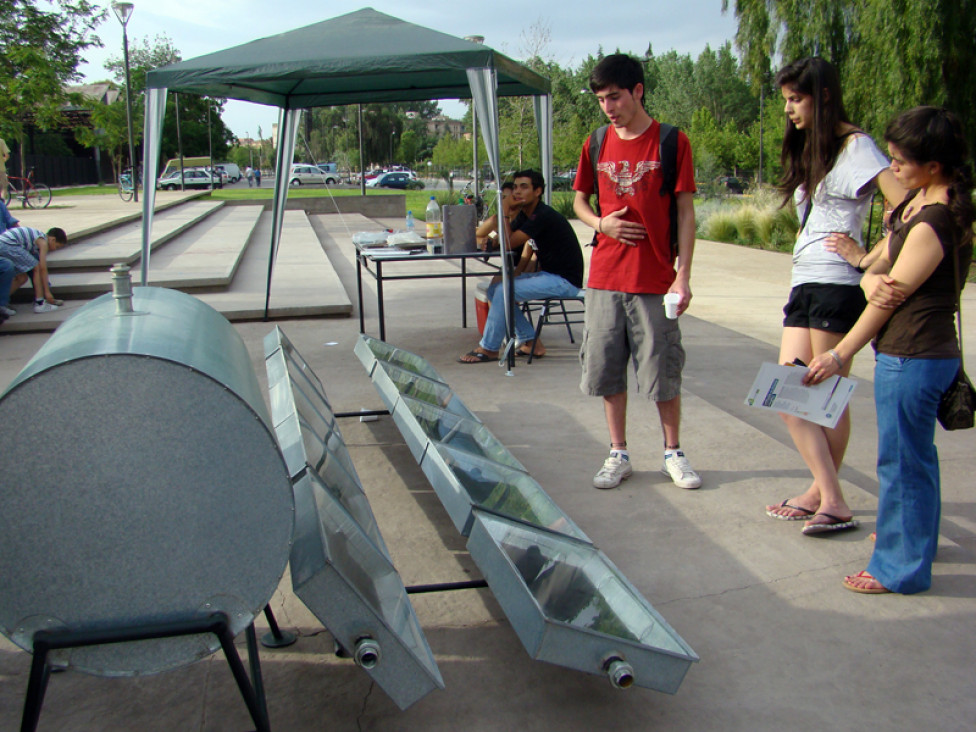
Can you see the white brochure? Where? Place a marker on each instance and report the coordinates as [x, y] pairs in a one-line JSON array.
[[781, 389]]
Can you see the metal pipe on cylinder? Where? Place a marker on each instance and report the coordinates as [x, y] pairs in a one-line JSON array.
[[122, 289]]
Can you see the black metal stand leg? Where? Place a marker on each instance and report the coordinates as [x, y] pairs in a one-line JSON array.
[[216, 623], [39, 674], [275, 639], [254, 660], [257, 707]]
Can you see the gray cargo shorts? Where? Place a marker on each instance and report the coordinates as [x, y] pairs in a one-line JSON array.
[[621, 326]]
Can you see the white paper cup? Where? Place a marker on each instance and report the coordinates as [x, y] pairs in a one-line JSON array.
[[671, 301]]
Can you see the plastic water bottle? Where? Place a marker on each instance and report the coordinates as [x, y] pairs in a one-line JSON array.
[[435, 227], [410, 225]]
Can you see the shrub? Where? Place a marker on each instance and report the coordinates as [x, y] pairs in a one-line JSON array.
[[720, 226], [563, 203], [745, 224]]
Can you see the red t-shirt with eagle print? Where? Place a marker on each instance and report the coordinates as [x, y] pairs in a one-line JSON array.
[[630, 175]]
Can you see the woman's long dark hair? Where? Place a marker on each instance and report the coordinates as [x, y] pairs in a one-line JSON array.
[[808, 155], [935, 135]]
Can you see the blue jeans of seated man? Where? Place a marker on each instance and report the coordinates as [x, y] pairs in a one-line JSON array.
[[907, 392], [6, 278], [533, 286]]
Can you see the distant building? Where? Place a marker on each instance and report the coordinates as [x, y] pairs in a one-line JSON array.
[[440, 125]]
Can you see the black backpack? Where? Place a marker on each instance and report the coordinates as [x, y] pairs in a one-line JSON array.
[[669, 168]]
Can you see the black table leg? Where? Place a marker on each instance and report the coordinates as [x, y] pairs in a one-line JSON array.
[[379, 299], [359, 290]]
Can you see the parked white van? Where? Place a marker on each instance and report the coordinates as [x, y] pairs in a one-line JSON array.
[[233, 171]]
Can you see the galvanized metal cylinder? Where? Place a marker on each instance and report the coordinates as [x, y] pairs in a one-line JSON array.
[[141, 483]]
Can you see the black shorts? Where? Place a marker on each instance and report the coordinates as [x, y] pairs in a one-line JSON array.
[[833, 308]]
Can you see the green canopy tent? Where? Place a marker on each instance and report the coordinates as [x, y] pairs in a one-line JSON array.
[[363, 56]]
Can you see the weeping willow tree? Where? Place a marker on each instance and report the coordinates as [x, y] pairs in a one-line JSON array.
[[892, 54]]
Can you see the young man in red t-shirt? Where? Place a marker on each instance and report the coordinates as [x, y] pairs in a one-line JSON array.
[[632, 268]]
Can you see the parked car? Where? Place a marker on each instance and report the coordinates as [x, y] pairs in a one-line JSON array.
[[219, 171], [192, 178], [302, 174], [395, 179]]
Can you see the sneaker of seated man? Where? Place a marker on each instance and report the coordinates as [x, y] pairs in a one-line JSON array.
[[543, 235]]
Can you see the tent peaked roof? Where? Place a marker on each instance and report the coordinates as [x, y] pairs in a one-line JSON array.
[[363, 56]]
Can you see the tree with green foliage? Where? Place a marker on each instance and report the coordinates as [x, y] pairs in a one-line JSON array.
[[892, 54], [200, 123], [40, 50]]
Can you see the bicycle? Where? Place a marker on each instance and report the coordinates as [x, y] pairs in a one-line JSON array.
[[31, 194], [126, 188]]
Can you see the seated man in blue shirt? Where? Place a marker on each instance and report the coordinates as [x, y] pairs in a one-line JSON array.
[[6, 220], [560, 266]]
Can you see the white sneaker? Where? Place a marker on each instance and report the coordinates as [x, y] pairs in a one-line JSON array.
[[615, 470], [680, 471], [45, 307], [9, 312]]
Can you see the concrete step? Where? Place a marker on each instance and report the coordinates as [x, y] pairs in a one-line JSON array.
[[304, 282], [204, 256], [124, 243]]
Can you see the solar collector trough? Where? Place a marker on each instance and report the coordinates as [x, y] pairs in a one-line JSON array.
[[340, 566], [566, 601]]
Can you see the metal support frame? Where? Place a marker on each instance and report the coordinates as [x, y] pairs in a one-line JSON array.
[[276, 638], [218, 623]]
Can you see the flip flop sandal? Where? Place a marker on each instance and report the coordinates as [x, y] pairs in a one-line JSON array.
[[805, 516], [478, 356], [863, 574], [835, 524]]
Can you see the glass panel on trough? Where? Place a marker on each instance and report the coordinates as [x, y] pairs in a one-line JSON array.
[[461, 433], [308, 432], [392, 381], [463, 481], [357, 594], [370, 349], [571, 606]]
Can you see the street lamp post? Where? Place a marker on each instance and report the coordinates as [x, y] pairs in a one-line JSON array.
[[123, 11], [392, 135]]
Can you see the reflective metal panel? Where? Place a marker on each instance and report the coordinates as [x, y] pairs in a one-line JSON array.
[[463, 481], [391, 381], [308, 431], [352, 587], [370, 349], [571, 606], [461, 433], [141, 482]]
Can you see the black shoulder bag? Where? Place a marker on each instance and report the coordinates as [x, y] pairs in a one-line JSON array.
[[959, 402]]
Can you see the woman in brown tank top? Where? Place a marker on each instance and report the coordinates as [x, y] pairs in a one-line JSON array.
[[911, 296]]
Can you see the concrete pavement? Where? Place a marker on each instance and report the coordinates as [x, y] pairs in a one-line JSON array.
[[782, 644]]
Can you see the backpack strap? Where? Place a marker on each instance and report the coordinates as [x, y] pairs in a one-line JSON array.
[[669, 171], [596, 146]]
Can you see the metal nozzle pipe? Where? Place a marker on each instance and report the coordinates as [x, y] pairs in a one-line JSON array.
[[620, 672], [367, 653]]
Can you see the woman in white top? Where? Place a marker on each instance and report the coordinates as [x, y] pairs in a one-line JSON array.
[[831, 170]]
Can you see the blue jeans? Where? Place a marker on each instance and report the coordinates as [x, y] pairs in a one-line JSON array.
[[7, 272], [533, 286], [907, 393]]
